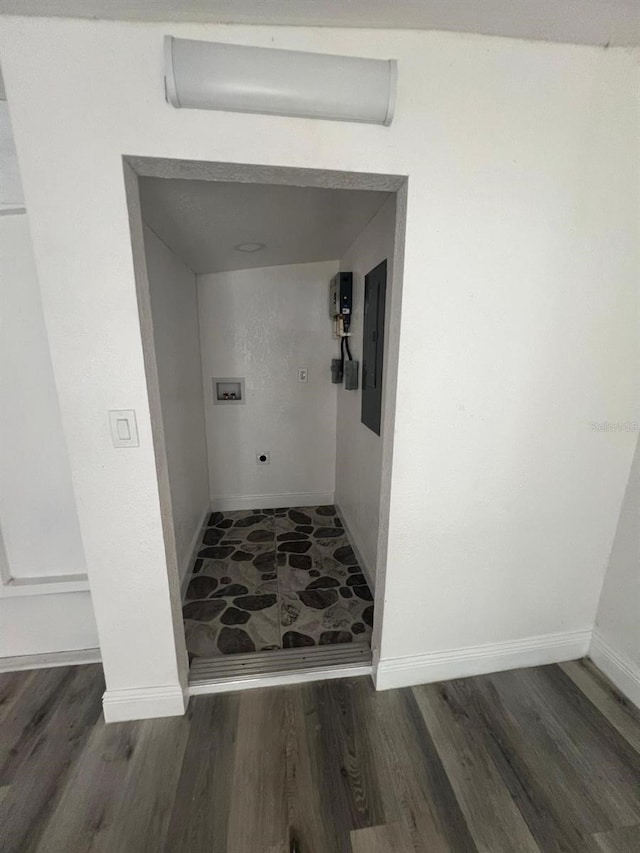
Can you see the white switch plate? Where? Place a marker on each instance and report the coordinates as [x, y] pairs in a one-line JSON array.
[[303, 374], [124, 430]]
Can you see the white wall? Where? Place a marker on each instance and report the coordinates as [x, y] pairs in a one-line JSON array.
[[359, 449], [616, 646], [38, 516], [174, 309], [263, 324], [40, 533], [11, 196], [46, 625], [519, 309]]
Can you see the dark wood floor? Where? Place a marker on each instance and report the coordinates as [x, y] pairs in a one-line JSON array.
[[543, 759]]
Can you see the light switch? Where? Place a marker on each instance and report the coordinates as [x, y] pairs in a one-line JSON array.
[[124, 433], [124, 430]]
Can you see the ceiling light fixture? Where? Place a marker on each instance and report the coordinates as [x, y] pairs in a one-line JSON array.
[[240, 78], [249, 247]]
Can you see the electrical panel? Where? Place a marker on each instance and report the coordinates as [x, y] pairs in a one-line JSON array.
[[340, 297], [375, 294], [340, 310]]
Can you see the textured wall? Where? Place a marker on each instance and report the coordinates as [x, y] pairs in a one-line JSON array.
[[618, 619], [519, 310], [38, 516], [11, 195], [264, 324], [359, 450], [174, 308]]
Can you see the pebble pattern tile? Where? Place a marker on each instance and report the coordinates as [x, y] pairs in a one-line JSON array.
[[271, 579]]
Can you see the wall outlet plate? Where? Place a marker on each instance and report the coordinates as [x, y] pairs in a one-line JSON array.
[[263, 457]]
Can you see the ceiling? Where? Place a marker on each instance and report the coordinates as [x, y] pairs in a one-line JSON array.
[[202, 221], [604, 22]]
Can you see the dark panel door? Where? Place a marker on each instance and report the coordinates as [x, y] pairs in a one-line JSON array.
[[375, 292]]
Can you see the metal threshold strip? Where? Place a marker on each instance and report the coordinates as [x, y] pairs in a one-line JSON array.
[[278, 667]]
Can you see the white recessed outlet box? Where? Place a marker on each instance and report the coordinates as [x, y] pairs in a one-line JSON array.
[[228, 391], [124, 429], [263, 457]]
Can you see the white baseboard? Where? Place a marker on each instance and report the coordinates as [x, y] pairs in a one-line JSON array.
[[367, 570], [479, 660], [232, 502], [190, 554], [144, 703], [48, 659], [621, 670]]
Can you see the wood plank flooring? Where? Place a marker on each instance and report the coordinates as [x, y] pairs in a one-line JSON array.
[[542, 760]]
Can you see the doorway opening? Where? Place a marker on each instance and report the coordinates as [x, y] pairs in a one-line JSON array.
[[269, 302]]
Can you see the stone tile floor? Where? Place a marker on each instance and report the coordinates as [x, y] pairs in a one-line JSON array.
[[273, 579]]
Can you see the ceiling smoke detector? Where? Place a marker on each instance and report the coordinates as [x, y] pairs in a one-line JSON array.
[[249, 247]]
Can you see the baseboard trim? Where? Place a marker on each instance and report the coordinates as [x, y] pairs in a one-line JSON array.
[[482, 659], [191, 554], [621, 670], [144, 703], [367, 570], [233, 502], [74, 657]]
